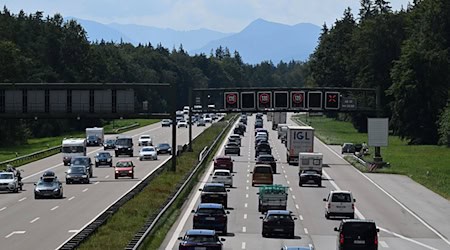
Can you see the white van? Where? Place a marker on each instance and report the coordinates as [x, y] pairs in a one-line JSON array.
[[281, 130], [186, 110], [340, 203]]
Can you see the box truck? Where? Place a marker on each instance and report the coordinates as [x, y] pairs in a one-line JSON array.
[[278, 118], [95, 136], [310, 161], [298, 139]]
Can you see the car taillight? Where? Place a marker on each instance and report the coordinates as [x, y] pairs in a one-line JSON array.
[[376, 239], [341, 239], [353, 206]]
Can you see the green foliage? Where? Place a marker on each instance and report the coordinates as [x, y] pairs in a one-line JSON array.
[[444, 127]]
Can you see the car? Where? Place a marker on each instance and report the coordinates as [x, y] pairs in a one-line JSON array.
[[223, 162], [124, 146], [145, 140], [214, 193], [148, 152], [201, 123], [263, 149], [234, 140], [242, 126], [103, 158], [237, 138], [85, 161], [163, 148], [243, 120], [207, 119], [48, 186], [222, 176], [238, 131], [259, 115], [261, 130], [200, 239], [211, 216], [182, 124], [124, 168], [348, 148], [278, 222], [269, 160], [77, 173], [339, 203], [357, 234], [232, 148], [166, 123], [109, 144], [93, 140], [9, 182], [261, 140], [262, 174], [297, 247], [310, 177], [259, 124]]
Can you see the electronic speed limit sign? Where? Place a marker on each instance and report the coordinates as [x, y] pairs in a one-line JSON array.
[[231, 100], [297, 99], [264, 100]]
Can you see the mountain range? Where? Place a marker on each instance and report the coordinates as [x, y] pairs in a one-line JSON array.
[[260, 41]]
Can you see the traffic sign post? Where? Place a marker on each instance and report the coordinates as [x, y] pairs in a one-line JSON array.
[[248, 101], [297, 99], [332, 100], [264, 100], [231, 100], [281, 100], [315, 100]]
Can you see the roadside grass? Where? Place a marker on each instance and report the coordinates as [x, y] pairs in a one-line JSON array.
[[110, 126], [121, 227], [425, 164]]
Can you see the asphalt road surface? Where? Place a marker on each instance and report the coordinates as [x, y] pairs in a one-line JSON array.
[[45, 224], [409, 216]]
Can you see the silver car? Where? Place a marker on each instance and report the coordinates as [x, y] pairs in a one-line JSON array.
[[8, 182]]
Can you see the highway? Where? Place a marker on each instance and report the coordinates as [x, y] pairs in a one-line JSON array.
[[409, 216], [45, 224]]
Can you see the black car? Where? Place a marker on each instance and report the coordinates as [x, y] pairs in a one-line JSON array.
[[278, 222], [348, 148], [267, 159], [242, 126], [263, 149], [232, 148], [78, 174], [163, 148], [357, 234], [49, 187], [92, 140], [261, 140], [310, 177], [103, 158], [238, 131], [259, 124], [211, 216], [214, 193], [124, 146], [85, 161], [109, 144], [200, 239]]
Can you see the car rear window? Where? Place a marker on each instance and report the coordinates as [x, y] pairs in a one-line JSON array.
[[359, 228], [224, 159], [201, 238], [268, 158], [263, 170], [210, 211], [222, 174], [214, 189], [341, 197]]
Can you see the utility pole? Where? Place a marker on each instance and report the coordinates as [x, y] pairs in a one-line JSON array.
[[174, 127], [377, 157], [190, 119]]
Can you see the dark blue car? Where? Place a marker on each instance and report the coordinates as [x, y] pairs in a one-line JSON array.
[[211, 216], [200, 239]]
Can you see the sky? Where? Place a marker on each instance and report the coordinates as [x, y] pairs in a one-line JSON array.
[[219, 15]]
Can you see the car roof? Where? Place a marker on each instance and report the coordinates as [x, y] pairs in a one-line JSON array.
[[221, 170], [265, 155], [340, 192], [200, 232], [281, 212], [297, 248], [214, 184], [223, 157], [210, 205], [358, 220]]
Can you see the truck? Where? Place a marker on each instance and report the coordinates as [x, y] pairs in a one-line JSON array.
[[270, 116], [272, 197], [278, 118], [298, 139], [95, 136], [72, 147], [310, 161]]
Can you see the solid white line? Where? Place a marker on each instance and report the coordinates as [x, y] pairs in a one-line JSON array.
[[306, 230], [243, 245], [54, 208], [74, 231], [408, 239], [384, 244], [106, 177], [15, 232], [3, 208], [245, 216], [244, 229], [86, 189], [301, 217], [71, 198], [24, 198], [34, 220]]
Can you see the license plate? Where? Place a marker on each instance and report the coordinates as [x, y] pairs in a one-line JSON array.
[[214, 196], [340, 206], [278, 230], [359, 241], [223, 165], [200, 248], [311, 181], [210, 218]]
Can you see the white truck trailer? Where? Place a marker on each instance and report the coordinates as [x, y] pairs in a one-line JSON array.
[[72, 147], [278, 118], [310, 161], [298, 139]]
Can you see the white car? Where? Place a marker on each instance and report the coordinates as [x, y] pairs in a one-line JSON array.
[[222, 176], [207, 119], [8, 182], [145, 140], [340, 203], [182, 123], [148, 152]]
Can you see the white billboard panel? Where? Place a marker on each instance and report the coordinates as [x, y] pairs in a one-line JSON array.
[[378, 131]]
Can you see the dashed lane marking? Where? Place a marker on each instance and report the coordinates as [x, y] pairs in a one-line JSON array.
[[71, 198], [293, 197], [15, 232], [3, 208], [306, 230], [246, 195], [97, 182], [24, 198], [86, 189], [245, 216], [54, 208], [34, 220], [296, 206], [288, 182], [244, 229], [246, 187], [384, 244], [290, 189], [243, 245], [245, 205], [106, 177], [301, 217]]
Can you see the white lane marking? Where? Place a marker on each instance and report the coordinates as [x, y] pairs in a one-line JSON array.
[[34, 220], [248, 175], [15, 232], [106, 177], [243, 245], [293, 197], [71, 198], [246, 187], [74, 231], [245, 216], [290, 189], [296, 206], [97, 182], [84, 190], [244, 229], [54, 208], [384, 244], [285, 176], [24, 198], [245, 205], [246, 195], [306, 230], [392, 197], [288, 182], [301, 217], [248, 181], [3, 208], [408, 239]]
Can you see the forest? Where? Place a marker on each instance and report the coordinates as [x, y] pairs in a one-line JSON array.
[[404, 53]]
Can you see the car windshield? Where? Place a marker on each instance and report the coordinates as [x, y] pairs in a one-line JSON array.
[[104, 154], [148, 149], [224, 159], [214, 189], [110, 141], [123, 142], [145, 137], [342, 197], [6, 176], [92, 137], [222, 174], [80, 161], [201, 238], [265, 158], [122, 164], [46, 183], [359, 228], [210, 211], [309, 172], [72, 149], [76, 170]]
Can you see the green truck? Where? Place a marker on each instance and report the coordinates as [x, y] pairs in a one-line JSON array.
[[272, 197]]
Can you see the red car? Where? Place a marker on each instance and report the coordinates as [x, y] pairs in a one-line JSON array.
[[124, 168], [223, 162]]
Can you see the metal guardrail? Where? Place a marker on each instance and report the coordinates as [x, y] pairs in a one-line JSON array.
[[139, 237], [26, 158], [117, 130], [201, 156]]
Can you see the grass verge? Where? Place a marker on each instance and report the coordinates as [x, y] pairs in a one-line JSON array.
[[111, 126], [426, 164], [122, 226]]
